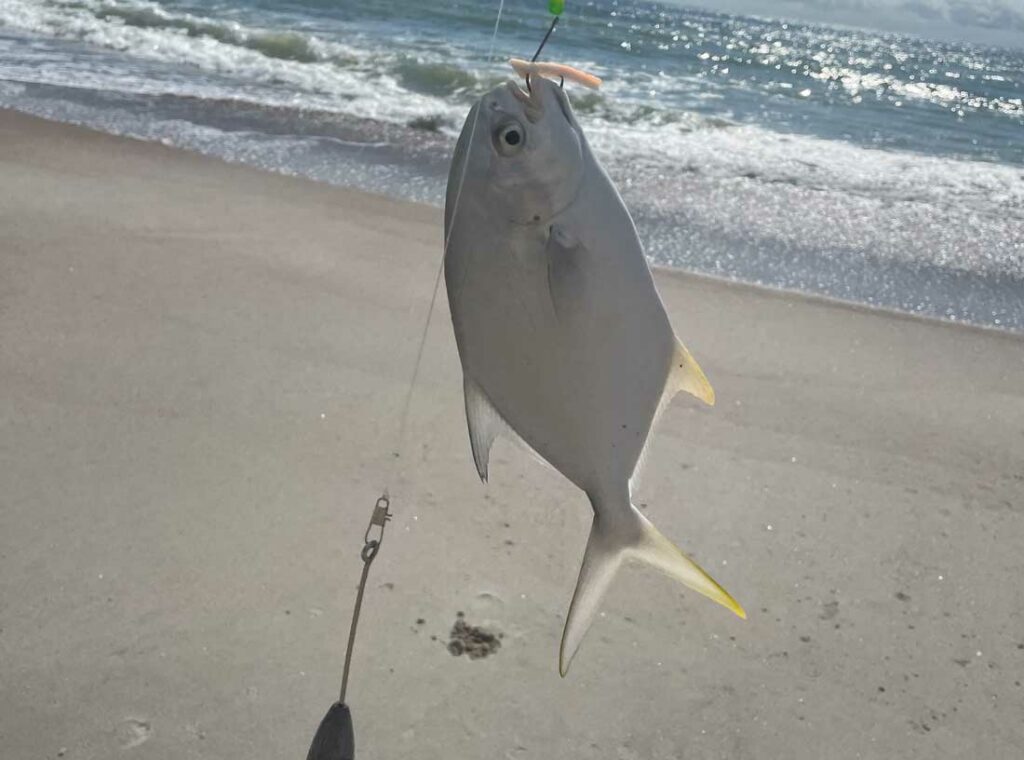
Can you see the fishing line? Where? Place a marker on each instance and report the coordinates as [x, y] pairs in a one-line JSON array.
[[334, 739], [407, 403], [543, 42], [555, 7], [381, 511]]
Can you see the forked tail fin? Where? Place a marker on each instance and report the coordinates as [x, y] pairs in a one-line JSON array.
[[611, 542]]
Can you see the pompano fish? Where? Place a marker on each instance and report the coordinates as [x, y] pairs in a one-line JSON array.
[[563, 339]]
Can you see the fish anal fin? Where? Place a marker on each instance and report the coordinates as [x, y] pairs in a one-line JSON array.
[[686, 375], [628, 536], [484, 424]]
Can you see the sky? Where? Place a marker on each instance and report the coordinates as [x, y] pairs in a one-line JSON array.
[[997, 22]]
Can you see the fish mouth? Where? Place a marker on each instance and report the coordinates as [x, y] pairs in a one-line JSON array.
[[533, 104]]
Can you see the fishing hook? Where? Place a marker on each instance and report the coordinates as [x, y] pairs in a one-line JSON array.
[[561, 83]]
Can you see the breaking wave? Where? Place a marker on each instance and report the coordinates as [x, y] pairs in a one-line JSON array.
[[339, 67], [725, 133], [288, 46]]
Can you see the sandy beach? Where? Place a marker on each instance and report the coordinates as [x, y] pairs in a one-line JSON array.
[[201, 373]]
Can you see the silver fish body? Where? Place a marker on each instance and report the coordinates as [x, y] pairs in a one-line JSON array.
[[563, 339]]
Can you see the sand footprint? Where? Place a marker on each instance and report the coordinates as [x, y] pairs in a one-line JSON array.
[[131, 732]]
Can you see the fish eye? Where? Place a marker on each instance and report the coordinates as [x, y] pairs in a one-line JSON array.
[[509, 138]]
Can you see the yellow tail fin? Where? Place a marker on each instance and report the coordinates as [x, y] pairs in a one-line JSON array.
[[611, 542]]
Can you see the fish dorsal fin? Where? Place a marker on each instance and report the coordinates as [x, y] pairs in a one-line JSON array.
[[484, 424], [686, 375]]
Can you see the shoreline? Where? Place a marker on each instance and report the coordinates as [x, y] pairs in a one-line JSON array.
[[858, 306], [657, 267], [979, 280]]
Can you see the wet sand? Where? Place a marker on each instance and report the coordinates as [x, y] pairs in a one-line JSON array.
[[201, 371]]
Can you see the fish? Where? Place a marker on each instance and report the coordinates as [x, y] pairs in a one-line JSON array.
[[564, 342]]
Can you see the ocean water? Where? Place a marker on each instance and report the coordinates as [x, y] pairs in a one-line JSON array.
[[872, 167]]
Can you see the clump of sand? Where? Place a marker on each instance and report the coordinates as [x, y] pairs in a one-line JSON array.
[[471, 640]]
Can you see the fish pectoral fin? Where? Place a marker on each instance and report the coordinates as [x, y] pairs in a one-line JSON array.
[[560, 235], [484, 424], [565, 255], [629, 536], [686, 375]]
